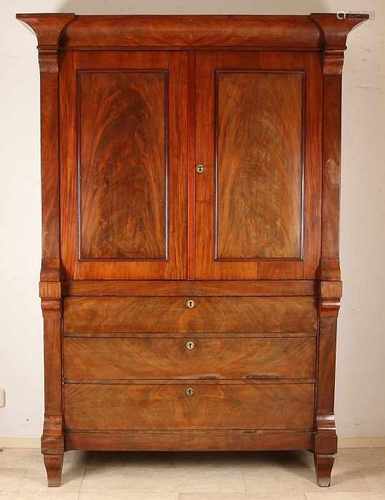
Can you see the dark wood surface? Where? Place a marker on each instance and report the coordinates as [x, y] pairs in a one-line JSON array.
[[189, 357], [131, 231], [209, 314], [125, 191], [325, 441], [49, 30], [190, 440], [225, 288], [258, 200], [212, 406], [259, 161], [199, 31], [123, 123]]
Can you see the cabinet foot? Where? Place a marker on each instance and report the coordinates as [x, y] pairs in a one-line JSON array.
[[54, 465], [323, 468]]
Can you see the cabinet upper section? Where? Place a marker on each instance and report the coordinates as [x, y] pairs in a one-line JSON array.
[[313, 32], [191, 147]]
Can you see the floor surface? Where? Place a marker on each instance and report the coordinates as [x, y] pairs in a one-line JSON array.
[[359, 474]]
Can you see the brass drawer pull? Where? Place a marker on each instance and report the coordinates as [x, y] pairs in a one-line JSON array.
[[190, 345], [189, 391], [190, 304], [200, 168]]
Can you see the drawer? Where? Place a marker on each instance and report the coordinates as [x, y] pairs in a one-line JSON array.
[[90, 359], [102, 407], [84, 316]]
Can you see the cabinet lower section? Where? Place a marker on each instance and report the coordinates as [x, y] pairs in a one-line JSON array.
[[208, 363], [209, 368]]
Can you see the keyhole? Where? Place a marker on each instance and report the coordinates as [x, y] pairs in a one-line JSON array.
[[190, 304], [190, 345]]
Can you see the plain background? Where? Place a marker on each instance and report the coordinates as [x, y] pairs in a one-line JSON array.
[[360, 393]]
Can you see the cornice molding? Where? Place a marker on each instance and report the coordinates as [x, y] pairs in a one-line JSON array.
[[287, 32], [48, 28], [334, 32]]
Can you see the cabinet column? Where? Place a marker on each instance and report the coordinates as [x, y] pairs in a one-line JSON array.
[[334, 31], [325, 444], [48, 30]]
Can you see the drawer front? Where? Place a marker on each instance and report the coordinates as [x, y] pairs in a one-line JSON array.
[[90, 359], [167, 406], [207, 314]]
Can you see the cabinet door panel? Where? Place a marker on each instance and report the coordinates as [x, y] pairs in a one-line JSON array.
[[123, 165], [258, 199], [259, 164]]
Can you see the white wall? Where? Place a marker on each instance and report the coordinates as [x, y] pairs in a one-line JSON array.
[[361, 347]]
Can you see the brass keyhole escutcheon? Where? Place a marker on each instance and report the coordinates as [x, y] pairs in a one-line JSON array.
[[190, 304], [189, 391], [190, 345], [200, 168]]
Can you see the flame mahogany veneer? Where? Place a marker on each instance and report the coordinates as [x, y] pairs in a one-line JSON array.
[[190, 278]]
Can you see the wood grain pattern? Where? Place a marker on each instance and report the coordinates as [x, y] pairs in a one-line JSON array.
[[170, 358], [190, 440], [277, 288], [286, 32], [326, 363], [331, 176], [169, 314], [192, 122], [259, 164], [123, 164], [124, 171], [122, 407], [231, 194]]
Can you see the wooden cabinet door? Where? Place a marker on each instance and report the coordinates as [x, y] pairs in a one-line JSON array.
[[123, 165], [258, 136]]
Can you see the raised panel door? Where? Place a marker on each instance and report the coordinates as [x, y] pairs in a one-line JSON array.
[[258, 137], [124, 155]]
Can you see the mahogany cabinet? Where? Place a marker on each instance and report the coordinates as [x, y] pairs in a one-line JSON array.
[[190, 278]]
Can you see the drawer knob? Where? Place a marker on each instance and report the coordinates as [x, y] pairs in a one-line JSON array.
[[189, 391], [190, 304], [200, 168], [190, 345]]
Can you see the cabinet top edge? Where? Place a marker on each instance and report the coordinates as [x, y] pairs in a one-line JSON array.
[[184, 16], [68, 30]]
